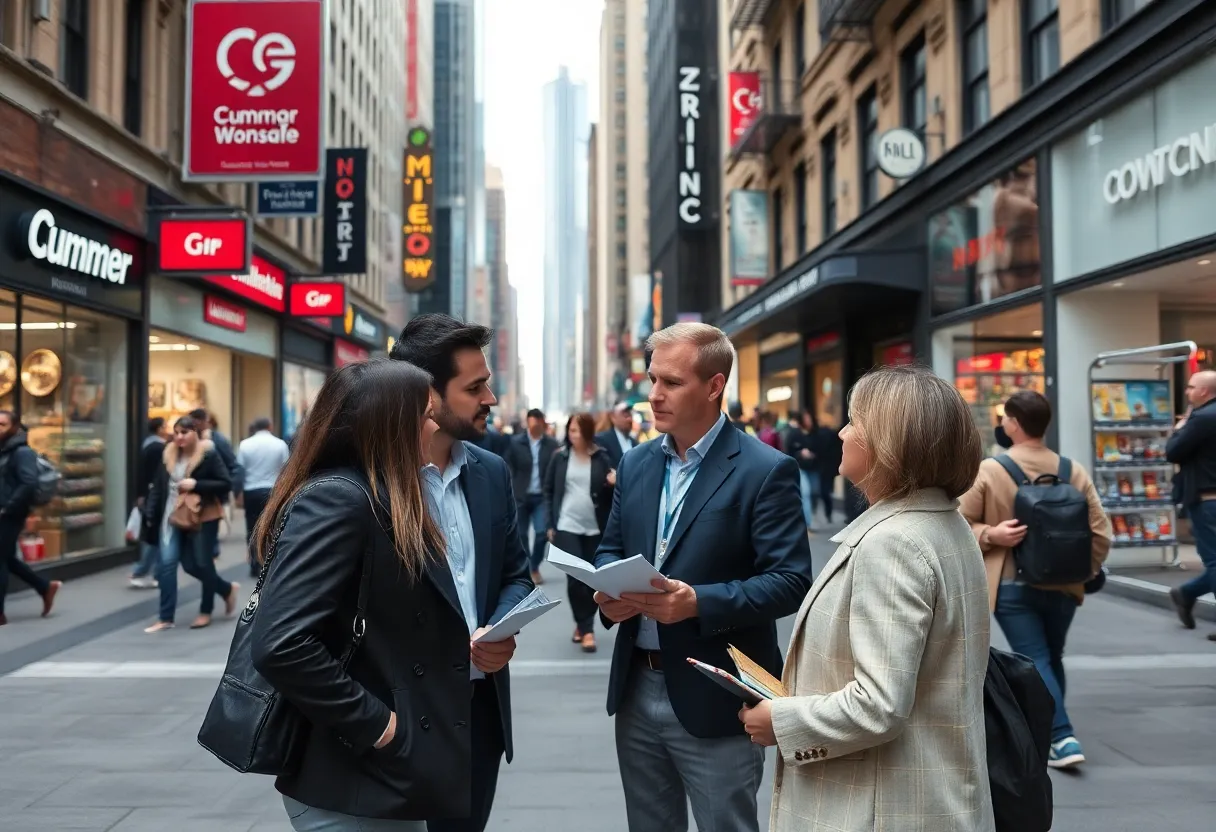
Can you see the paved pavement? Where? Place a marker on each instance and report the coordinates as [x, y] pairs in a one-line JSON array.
[[100, 737]]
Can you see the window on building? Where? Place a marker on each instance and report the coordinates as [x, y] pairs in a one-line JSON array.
[[620, 197], [800, 210], [1041, 50], [333, 111], [867, 136], [133, 69], [1117, 12], [620, 251], [620, 171], [775, 58], [800, 41], [912, 86], [620, 94], [778, 230], [973, 15], [620, 67], [620, 222], [620, 145], [333, 40], [827, 181], [620, 43], [74, 46]]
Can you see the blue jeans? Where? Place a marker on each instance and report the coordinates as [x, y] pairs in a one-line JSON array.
[[810, 490], [193, 551], [531, 509], [1203, 525], [149, 561], [1036, 622]]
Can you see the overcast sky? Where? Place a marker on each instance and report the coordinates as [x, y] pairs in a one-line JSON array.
[[523, 50]]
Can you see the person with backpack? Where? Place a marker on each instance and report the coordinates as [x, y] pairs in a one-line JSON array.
[[1041, 526], [20, 490]]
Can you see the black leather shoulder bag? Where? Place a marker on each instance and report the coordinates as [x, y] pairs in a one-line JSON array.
[[250, 726]]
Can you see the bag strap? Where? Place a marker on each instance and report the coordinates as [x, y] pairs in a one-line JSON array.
[[1014, 470], [359, 625], [1064, 474]]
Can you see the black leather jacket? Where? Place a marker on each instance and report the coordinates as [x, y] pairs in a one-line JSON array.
[[210, 477], [414, 660], [18, 477]]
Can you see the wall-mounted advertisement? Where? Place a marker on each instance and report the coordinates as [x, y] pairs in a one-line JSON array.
[[1140, 179], [744, 96], [255, 86], [748, 238], [987, 246], [344, 227], [417, 232]]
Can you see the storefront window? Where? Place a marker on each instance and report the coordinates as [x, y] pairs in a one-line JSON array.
[[828, 393], [9, 369], [989, 360], [987, 246], [300, 388], [73, 374], [781, 394]]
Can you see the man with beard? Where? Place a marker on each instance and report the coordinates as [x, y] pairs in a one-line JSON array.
[[487, 556]]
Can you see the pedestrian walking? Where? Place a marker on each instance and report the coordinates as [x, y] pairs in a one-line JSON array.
[[718, 513], [223, 447], [578, 498], [799, 445], [151, 459], [1034, 619], [182, 517], [1192, 447], [472, 498], [348, 519], [261, 458], [886, 664], [617, 438], [530, 456], [18, 487]]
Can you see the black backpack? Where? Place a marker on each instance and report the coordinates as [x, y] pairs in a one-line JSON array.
[[1058, 546], [1018, 711]]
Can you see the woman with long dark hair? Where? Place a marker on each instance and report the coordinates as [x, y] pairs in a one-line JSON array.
[[182, 516], [389, 731], [578, 495]]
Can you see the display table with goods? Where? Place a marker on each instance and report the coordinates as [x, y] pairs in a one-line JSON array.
[[1130, 421]]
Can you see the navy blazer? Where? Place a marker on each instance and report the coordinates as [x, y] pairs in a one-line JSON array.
[[740, 542], [607, 440], [503, 575]]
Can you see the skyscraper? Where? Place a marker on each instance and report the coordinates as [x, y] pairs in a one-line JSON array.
[[499, 291], [457, 147], [565, 138]]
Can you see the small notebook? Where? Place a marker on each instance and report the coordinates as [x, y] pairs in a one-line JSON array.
[[755, 675]]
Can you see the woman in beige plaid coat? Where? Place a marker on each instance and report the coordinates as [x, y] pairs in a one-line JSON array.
[[884, 725]]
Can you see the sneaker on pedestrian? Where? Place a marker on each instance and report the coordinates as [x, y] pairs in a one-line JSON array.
[[144, 583], [1185, 607], [1065, 754]]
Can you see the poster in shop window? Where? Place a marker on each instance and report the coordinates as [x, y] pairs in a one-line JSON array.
[[987, 246]]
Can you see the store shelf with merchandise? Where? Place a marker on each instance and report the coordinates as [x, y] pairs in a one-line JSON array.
[[1131, 420]]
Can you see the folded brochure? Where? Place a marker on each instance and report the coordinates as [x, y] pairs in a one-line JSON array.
[[630, 575], [752, 684], [525, 612]]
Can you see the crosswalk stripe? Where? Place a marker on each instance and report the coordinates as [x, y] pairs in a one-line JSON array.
[[542, 667]]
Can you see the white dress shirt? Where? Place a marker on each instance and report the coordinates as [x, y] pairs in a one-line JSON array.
[[263, 456]]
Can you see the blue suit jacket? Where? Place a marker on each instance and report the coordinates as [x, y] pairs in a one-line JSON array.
[[503, 578], [741, 543]]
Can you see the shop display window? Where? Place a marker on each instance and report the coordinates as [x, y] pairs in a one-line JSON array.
[[300, 388], [72, 378], [828, 393], [781, 394], [991, 359]]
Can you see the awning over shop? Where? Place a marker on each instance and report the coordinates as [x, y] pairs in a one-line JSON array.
[[820, 294]]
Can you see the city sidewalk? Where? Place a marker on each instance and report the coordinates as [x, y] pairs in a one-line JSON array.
[[1152, 584], [94, 605]]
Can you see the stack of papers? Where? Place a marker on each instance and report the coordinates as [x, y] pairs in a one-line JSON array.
[[631, 575], [753, 683], [525, 612]]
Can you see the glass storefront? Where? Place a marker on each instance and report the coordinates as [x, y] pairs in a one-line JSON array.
[[65, 372], [301, 385], [990, 359]]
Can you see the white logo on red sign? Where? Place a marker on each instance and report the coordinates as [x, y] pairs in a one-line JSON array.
[[276, 46], [219, 313], [745, 103], [316, 299]]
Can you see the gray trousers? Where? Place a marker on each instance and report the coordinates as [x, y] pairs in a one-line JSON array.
[[664, 768], [307, 819]]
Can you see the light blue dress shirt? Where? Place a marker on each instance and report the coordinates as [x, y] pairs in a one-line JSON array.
[[534, 483], [448, 507], [676, 483]]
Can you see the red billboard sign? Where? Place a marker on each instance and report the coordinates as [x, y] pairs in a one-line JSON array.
[[196, 245], [255, 90], [745, 103], [265, 284], [222, 313], [347, 353], [318, 300]]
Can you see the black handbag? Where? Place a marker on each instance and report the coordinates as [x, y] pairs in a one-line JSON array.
[[250, 726]]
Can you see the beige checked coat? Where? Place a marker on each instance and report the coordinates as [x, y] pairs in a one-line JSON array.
[[884, 727]]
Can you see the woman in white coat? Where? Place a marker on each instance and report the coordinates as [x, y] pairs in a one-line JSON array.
[[884, 725]]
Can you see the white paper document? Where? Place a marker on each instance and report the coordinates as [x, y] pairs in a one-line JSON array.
[[525, 612], [630, 575]]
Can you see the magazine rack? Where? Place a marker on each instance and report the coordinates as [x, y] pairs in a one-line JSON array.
[[1130, 420]]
